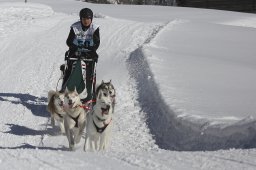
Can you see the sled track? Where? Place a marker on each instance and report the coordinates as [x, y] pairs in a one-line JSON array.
[[181, 134]]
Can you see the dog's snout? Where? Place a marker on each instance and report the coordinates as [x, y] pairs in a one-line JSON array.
[[108, 107]]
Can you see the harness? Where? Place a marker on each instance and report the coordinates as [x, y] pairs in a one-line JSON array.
[[59, 115], [100, 130], [85, 106], [75, 119], [102, 120]]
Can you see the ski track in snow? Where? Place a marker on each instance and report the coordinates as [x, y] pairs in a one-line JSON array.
[[137, 114]]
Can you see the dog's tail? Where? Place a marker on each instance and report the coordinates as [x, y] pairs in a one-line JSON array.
[[50, 94], [50, 106]]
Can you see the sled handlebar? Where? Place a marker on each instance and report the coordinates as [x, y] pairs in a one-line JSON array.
[[79, 55], [82, 58]]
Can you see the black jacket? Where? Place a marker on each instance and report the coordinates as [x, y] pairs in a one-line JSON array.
[[73, 47]]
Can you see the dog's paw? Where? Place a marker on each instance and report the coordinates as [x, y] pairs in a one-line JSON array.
[[77, 139], [52, 122], [71, 147]]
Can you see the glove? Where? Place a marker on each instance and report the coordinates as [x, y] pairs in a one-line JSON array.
[[87, 45], [91, 48], [62, 67], [93, 55]]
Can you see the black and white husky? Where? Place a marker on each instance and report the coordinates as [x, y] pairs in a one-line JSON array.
[[99, 120], [75, 119], [56, 108]]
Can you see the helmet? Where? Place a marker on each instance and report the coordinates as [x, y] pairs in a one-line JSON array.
[[86, 13]]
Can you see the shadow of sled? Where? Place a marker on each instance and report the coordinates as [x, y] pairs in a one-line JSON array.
[[24, 131], [37, 105], [28, 146]]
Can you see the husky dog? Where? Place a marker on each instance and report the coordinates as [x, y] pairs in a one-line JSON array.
[[99, 120], [75, 119], [56, 108]]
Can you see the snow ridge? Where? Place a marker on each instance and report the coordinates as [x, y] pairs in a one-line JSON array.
[[183, 134]]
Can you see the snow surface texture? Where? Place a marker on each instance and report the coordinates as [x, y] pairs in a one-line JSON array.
[[184, 80]]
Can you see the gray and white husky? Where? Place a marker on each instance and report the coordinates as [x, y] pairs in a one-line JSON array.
[[99, 120], [56, 108], [75, 119]]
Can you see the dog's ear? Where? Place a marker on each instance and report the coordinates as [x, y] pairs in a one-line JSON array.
[[99, 95], [102, 82]]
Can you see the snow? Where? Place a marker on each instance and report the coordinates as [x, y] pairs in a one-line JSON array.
[[184, 79]]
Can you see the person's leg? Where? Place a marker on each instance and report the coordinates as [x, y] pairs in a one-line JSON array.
[[89, 80], [66, 76]]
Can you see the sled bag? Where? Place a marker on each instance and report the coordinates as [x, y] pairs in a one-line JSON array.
[[76, 79]]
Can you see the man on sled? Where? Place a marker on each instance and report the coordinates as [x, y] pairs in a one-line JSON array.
[[83, 41]]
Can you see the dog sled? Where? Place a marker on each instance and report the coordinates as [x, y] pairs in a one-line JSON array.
[[82, 76], [73, 114]]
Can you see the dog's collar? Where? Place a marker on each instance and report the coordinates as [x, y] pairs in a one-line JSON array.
[[100, 130]]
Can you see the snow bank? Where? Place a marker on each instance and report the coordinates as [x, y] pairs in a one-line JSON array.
[[184, 133], [172, 128]]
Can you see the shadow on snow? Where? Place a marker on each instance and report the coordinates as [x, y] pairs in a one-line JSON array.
[[24, 131], [37, 105], [28, 146]]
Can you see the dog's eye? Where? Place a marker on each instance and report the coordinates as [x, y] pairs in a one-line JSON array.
[[105, 94], [110, 92]]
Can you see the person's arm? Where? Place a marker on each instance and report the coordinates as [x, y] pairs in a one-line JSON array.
[[96, 39], [70, 39]]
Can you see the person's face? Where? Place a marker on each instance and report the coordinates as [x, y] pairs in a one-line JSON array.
[[86, 21]]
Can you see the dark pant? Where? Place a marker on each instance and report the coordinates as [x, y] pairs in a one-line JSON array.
[[90, 79]]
